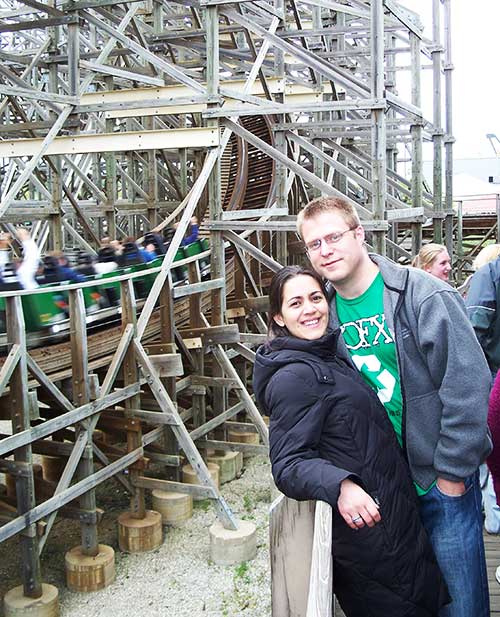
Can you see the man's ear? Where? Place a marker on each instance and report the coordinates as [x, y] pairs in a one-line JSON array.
[[360, 233], [279, 320]]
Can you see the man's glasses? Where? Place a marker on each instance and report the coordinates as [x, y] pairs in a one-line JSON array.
[[329, 240]]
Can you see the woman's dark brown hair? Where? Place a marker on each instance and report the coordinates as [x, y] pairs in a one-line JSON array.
[[278, 282]]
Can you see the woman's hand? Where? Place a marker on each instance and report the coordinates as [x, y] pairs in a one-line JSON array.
[[356, 506]]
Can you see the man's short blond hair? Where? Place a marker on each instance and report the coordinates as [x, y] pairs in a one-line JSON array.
[[328, 204]]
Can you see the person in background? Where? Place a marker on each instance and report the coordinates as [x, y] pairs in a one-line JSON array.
[[5, 241], [132, 253], [150, 249], [117, 247], [107, 260], [493, 459], [85, 264], [66, 270], [408, 335], [434, 259], [148, 254], [482, 307], [331, 440], [154, 238], [485, 255], [192, 233], [482, 301], [56, 269], [27, 268]]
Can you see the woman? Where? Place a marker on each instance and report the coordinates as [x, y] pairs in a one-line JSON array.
[[434, 259], [331, 440]]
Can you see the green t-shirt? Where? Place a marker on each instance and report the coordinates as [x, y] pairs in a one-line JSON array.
[[373, 350]]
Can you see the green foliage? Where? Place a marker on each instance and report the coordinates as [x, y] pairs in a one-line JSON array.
[[248, 503]]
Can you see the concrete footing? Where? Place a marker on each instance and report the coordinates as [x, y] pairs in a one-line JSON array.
[[230, 464], [189, 476], [230, 547], [174, 508], [16, 604], [139, 535], [90, 573]]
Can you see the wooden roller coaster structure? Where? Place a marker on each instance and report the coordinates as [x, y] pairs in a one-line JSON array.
[[120, 118]]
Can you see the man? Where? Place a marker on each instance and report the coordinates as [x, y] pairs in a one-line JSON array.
[[408, 335], [482, 308]]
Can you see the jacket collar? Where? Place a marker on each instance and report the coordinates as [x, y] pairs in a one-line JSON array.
[[395, 276], [395, 279]]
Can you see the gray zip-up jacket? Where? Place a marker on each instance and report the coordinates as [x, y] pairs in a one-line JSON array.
[[445, 380]]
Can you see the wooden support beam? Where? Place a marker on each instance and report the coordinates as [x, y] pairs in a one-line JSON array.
[[206, 492], [28, 436], [213, 335], [109, 142], [20, 417], [233, 446], [168, 365]]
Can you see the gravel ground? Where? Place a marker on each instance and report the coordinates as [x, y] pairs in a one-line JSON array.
[[178, 579]]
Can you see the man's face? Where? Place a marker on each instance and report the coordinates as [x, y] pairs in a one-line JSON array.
[[336, 262]]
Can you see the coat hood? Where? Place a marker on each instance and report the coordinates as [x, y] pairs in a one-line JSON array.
[[281, 351]]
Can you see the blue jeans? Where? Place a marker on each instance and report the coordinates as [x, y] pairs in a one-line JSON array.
[[455, 528]]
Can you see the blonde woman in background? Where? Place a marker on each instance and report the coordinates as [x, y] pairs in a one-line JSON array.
[[434, 259], [485, 255]]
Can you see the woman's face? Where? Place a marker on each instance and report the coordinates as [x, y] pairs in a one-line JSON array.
[[304, 310], [441, 266]]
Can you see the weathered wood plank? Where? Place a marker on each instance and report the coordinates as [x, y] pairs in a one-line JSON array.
[[320, 598], [291, 533]]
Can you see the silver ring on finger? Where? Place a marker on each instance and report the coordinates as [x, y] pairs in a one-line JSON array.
[[355, 519]]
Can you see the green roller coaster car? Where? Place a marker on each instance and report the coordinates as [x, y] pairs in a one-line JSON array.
[[47, 314]]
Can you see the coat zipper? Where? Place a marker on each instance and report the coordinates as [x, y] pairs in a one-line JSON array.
[[401, 385]]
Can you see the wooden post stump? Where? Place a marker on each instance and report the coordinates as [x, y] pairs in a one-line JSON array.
[[243, 437], [189, 476], [138, 535], [227, 462], [16, 604], [175, 508], [53, 466], [90, 573], [233, 546]]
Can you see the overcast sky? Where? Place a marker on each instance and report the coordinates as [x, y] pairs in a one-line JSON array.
[[476, 78]]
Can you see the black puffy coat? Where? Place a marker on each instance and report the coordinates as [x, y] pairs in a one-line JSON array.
[[326, 425]]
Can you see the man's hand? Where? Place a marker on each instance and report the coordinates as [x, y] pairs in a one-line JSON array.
[[356, 506], [453, 489]]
